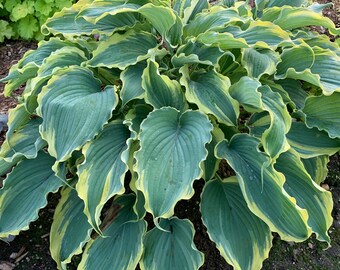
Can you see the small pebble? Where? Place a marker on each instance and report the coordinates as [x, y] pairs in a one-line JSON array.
[[325, 186], [13, 255]]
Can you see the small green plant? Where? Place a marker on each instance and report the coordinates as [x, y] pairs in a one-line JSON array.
[[23, 18], [134, 100]]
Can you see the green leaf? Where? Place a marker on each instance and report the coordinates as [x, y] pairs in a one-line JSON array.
[[319, 7], [43, 7], [64, 57], [172, 147], [136, 115], [289, 56], [225, 41], [132, 83], [62, 4], [130, 48], [310, 196], [57, 60], [162, 18], [68, 24], [98, 10], [171, 248], [196, 52], [26, 141], [122, 246], [228, 3], [327, 66], [258, 33], [27, 27], [262, 188], [6, 166], [276, 87], [245, 91], [6, 30], [242, 238], [258, 123], [311, 142], [279, 3], [101, 175], [17, 78], [217, 18], [296, 17], [70, 230], [211, 164], [259, 61], [31, 180], [17, 117], [317, 167], [187, 9], [21, 11], [160, 91], [210, 92], [271, 128], [295, 92], [318, 66], [10, 4], [45, 48], [74, 110], [28, 66], [274, 138], [173, 37], [322, 41], [321, 112]]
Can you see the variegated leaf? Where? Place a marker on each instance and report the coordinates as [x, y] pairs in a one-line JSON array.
[[258, 62], [172, 147], [172, 247], [123, 50], [74, 110], [210, 92], [274, 138], [262, 188], [311, 142], [322, 112], [245, 91], [198, 53], [132, 83], [160, 90], [70, 230], [211, 164], [243, 239], [101, 175], [215, 19], [316, 167], [25, 142], [33, 179], [289, 18], [259, 33], [122, 246], [310, 196]]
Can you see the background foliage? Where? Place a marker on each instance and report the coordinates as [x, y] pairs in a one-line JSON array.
[[23, 18]]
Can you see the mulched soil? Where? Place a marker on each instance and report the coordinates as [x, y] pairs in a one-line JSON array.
[[30, 250]]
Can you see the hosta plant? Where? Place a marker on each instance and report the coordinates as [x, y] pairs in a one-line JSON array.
[[133, 100]]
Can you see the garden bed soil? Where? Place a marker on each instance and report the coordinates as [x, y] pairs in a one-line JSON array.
[[30, 250]]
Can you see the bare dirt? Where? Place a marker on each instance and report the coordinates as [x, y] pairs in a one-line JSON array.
[[30, 250]]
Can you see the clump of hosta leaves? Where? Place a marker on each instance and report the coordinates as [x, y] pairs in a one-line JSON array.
[[135, 100], [23, 18]]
